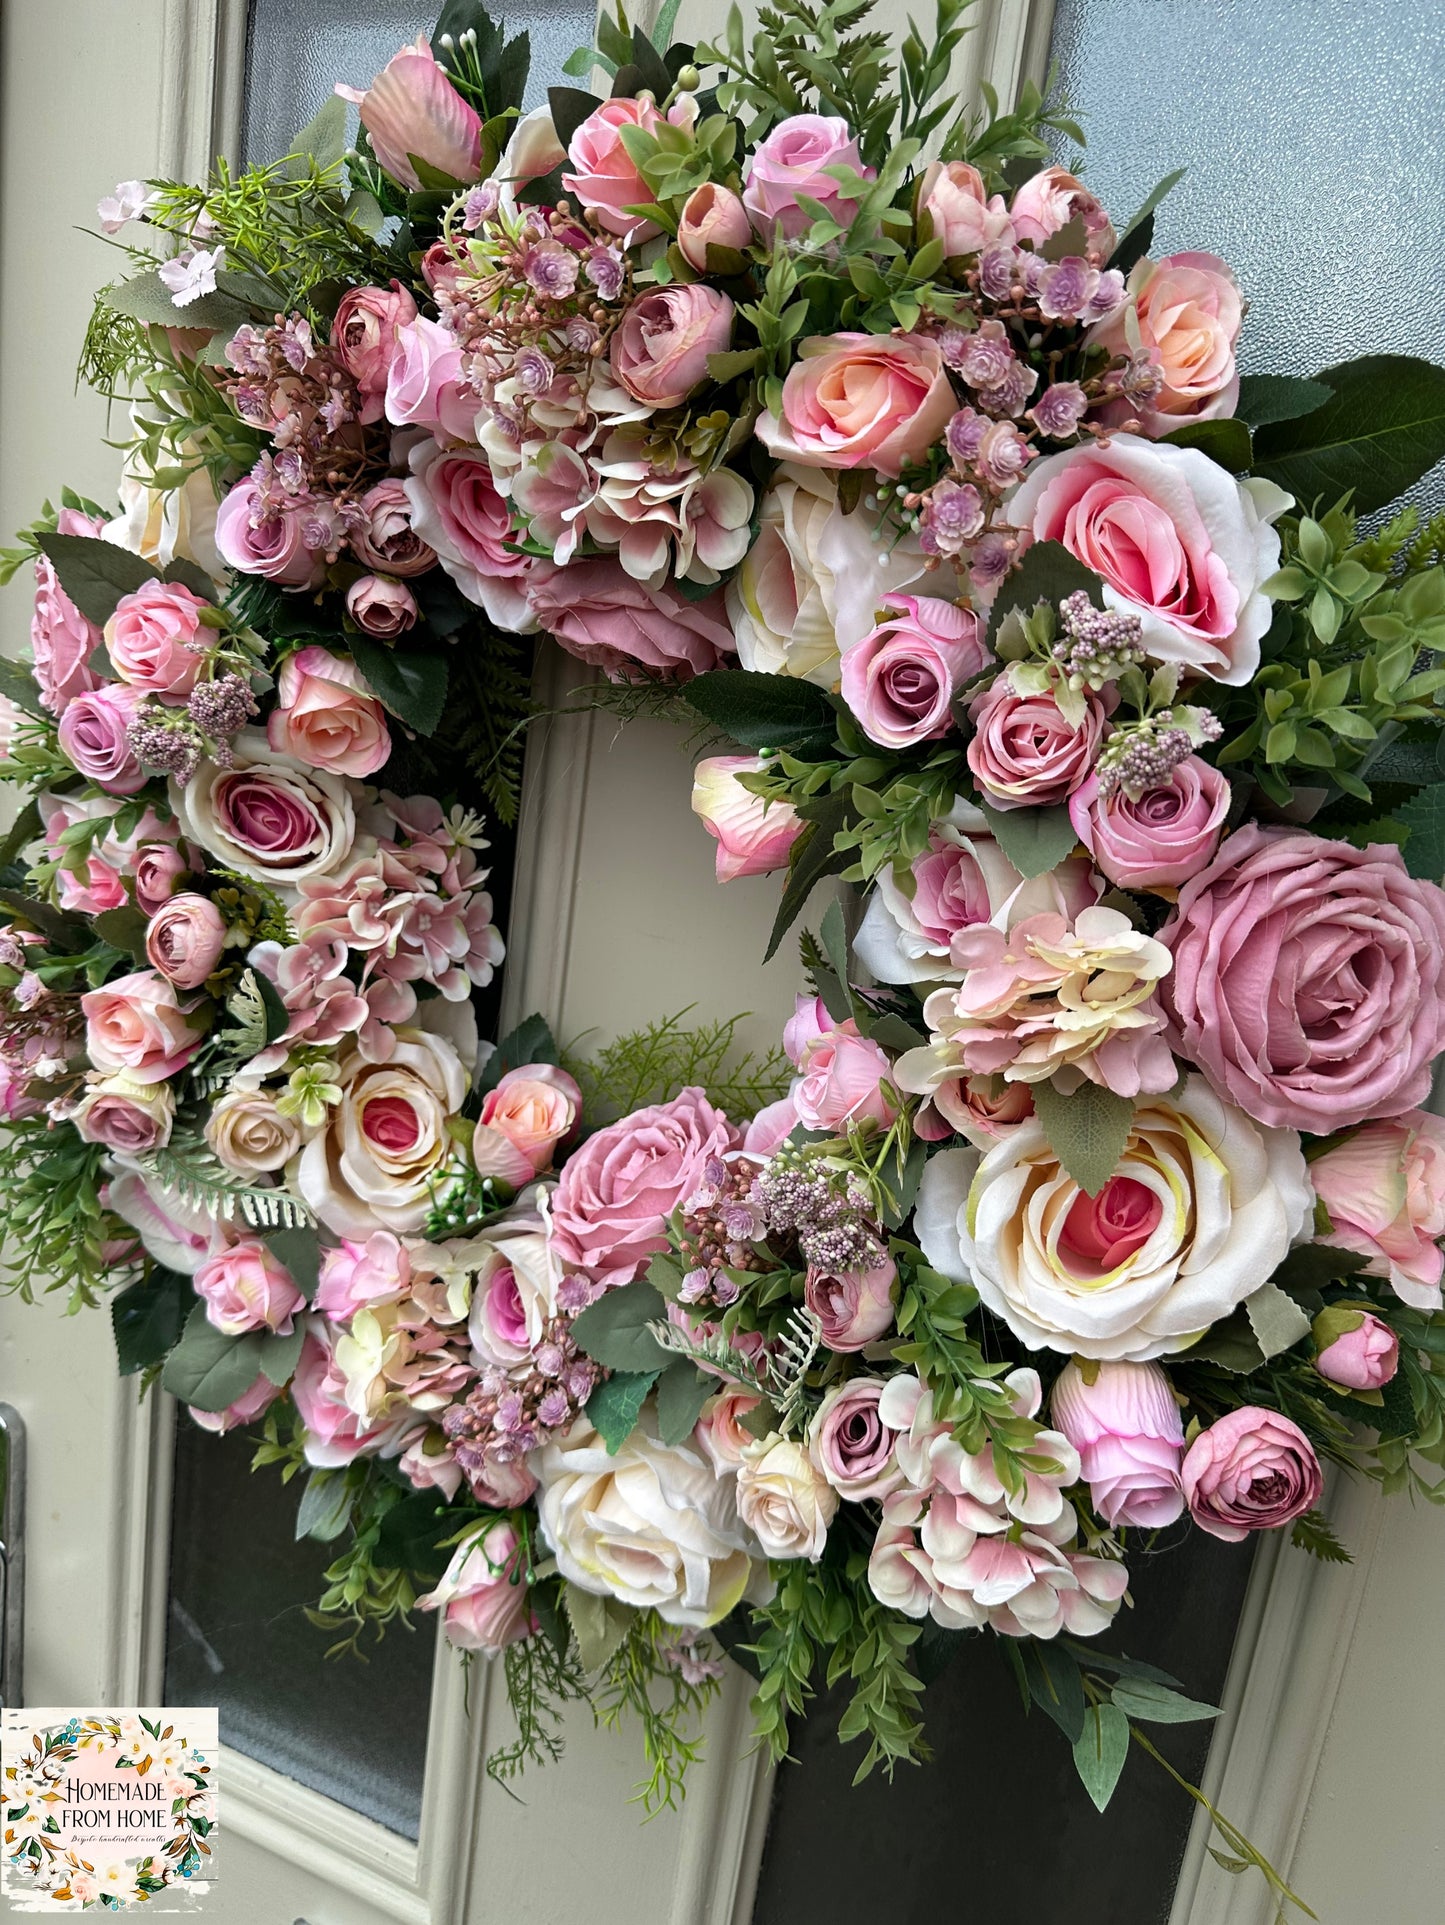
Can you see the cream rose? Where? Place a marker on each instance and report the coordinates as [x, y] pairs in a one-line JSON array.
[[250, 1135], [1201, 1208], [513, 1292], [785, 1499], [267, 817]]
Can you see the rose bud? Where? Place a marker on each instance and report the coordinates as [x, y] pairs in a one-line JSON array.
[[381, 607], [523, 1120], [246, 1409], [244, 1288], [853, 1307], [387, 539], [484, 1595], [1384, 1188], [1127, 1430], [753, 835], [1354, 1349], [712, 216], [363, 339], [411, 111], [185, 940], [1253, 1470]]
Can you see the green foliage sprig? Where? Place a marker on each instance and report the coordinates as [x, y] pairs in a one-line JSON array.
[[652, 1064]]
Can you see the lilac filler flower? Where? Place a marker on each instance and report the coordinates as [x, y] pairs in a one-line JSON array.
[[550, 269], [1066, 287], [191, 274], [952, 515], [533, 370], [1059, 410], [963, 435], [221, 707], [604, 271], [988, 357], [481, 205], [998, 270]]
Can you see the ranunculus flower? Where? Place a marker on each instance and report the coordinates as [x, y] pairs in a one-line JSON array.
[[1128, 1432], [1024, 752], [244, 1288], [1167, 836], [484, 1594], [1049, 201], [412, 109], [841, 1075], [851, 1445], [457, 510], [753, 835], [271, 545], [326, 715], [388, 541], [600, 614], [965, 219], [148, 635], [250, 1405], [1185, 312], [659, 352], [364, 340], [652, 1525], [1200, 1209], [900, 680], [711, 216], [861, 401], [185, 939], [425, 387], [268, 816], [1308, 979], [1384, 1189], [604, 176], [159, 866], [381, 607], [1252, 1470], [126, 1114], [793, 160], [1179, 541], [137, 1025], [1354, 1350], [354, 1276], [784, 1499], [61, 639], [853, 1307], [616, 1192], [250, 1135], [523, 1119], [93, 736]]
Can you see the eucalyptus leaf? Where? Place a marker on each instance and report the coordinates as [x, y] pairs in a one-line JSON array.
[[1055, 1685], [325, 1506], [1155, 1703], [1380, 431], [410, 682], [1102, 1747], [1034, 840], [209, 1369], [613, 1331], [614, 1406], [1086, 1131], [95, 573]]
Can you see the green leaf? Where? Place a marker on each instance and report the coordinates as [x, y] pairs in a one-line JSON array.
[[280, 1355], [278, 1016], [1157, 1704], [599, 1624], [834, 940], [1310, 1265], [1086, 1131], [412, 1529], [1047, 573], [190, 575], [935, 1650], [325, 1507], [124, 929], [1055, 1685], [68, 932], [17, 681], [570, 106], [323, 138], [95, 573], [1264, 398], [613, 1331], [1034, 840], [147, 1318], [765, 711], [682, 1390], [411, 682], [1231, 1344], [1135, 239], [22, 831], [208, 1368], [613, 1407], [814, 856], [1226, 442], [299, 1249], [1276, 1319], [531, 1041], [1424, 817], [1102, 1747], [148, 299], [1382, 428]]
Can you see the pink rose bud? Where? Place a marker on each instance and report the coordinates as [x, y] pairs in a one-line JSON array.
[[808, 1024], [532, 1109], [429, 1465], [1049, 201], [387, 540], [1353, 1348], [720, 1429], [185, 939], [965, 220], [136, 1024], [900, 679], [326, 715], [753, 835], [250, 1405], [159, 866], [411, 110], [792, 161], [660, 351], [1127, 1430], [842, 1081], [485, 1593], [364, 339], [1252, 1470], [712, 216], [851, 1446], [150, 638], [1163, 839], [603, 175], [861, 401], [1384, 1189], [380, 607], [244, 1288], [93, 736], [1024, 754], [424, 384], [770, 1128], [853, 1307]]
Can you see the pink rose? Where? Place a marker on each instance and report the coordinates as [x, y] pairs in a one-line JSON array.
[[808, 1024], [429, 1465], [356, 1275], [484, 1594], [1179, 541], [93, 735], [850, 1444], [604, 176], [1252, 1470], [1354, 1350], [256, 542], [1308, 979], [793, 160], [1024, 753], [770, 1128], [712, 216], [159, 866], [1384, 1189], [149, 638], [981, 1108], [424, 386], [456, 508], [861, 401], [269, 816], [1168, 835], [1049, 201], [364, 339], [659, 352], [185, 939], [326, 715], [753, 835], [411, 108], [387, 540], [244, 1288], [381, 607], [900, 680], [964, 218], [250, 1405], [853, 1307], [598, 613], [136, 1024], [1185, 312], [841, 1074], [532, 1109], [126, 1115], [1126, 1427], [616, 1192], [61, 639], [334, 1434]]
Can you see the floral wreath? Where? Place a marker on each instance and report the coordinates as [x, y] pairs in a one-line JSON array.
[[1095, 1194]]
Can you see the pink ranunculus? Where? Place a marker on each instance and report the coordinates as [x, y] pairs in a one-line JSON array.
[[1252, 1470], [712, 216], [900, 680], [965, 219], [1309, 979], [1049, 201], [93, 736], [61, 639], [659, 352], [424, 385], [1024, 754], [1384, 1189], [364, 339], [244, 1287], [753, 835], [412, 111], [1186, 312], [794, 160], [125, 1115], [841, 1077], [604, 176], [598, 613], [149, 638], [326, 715], [457, 510], [1126, 1427], [185, 939], [484, 1594], [1179, 541], [853, 1307], [159, 866], [136, 1024], [1354, 1350], [1167, 836], [356, 1275], [861, 401], [850, 1444], [272, 545], [250, 1405], [610, 1208], [381, 607], [387, 540]]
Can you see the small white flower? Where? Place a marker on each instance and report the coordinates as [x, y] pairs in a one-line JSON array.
[[131, 201], [192, 273]]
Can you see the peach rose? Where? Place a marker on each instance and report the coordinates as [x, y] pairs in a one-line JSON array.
[[137, 1024], [1048, 201], [753, 835], [523, 1120], [861, 401], [1384, 1188], [1187, 310], [965, 220]]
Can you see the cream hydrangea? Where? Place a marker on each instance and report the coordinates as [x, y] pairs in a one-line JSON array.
[[1201, 1208]]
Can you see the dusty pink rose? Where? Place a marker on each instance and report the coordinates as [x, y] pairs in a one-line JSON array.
[[1354, 1349], [271, 545], [428, 1463], [899, 680], [484, 1594], [1308, 979], [1049, 201], [753, 835], [326, 715], [364, 338], [861, 401], [1024, 754], [185, 939], [381, 607], [136, 1024], [126, 1115], [93, 736], [456, 508], [424, 385], [250, 1405], [660, 351], [244, 1288], [1252, 1470], [771, 1127], [411, 110], [841, 1077], [600, 614], [530, 1111], [1186, 312], [793, 160], [354, 1275], [159, 866], [61, 639], [853, 1307], [148, 638], [850, 1444], [712, 216], [1384, 1189], [965, 218], [616, 1192], [387, 540], [603, 175], [1167, 836], [1126, 1427]]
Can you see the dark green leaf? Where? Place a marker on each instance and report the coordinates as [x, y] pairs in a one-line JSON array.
[[65, 931], [208, 1368], [1102, 1747], [1134, 247], [1231, 1344], [1055, 1685], [530, 1042], [682, 1390], [278, 1016], [148, 299], [124, 929], [1157, 1704], [936, 1649], [1047, 573], [1309, 1265], [1382, 428], [1226, 442], [148, 1317], [22, 831], [570, 107], [95, 573], [412, 1529], [411, 682], [814, 856], [1424, 816], [1034, 840], [765, 711], [190, 575], [834, 939], [1146, 211], [17, 682], [280, 1355], [1264, 398], [613, 1407], [1086, 1131], [614, 1332], [299, 1250]]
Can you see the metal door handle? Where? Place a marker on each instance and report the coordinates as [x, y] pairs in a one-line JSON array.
[[12, 1554]]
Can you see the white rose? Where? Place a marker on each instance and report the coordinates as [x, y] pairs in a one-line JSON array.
[[653, 1526], [180, 1236], [513, 1293], [1201, 1208], [268, 817], [250, 1135], [785, 1499], [166, 524]]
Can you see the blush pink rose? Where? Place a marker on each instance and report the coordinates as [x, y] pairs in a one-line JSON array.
[[1126, 1427], [255, 542], [428, 1464], [159, 866], [965, 218], [1308, 979], [185, 939], [250, 1405], [841, 1075], [61, 639], [138, 1025], [381, 607], [753, 835], [364, 339], [424, 385], [711, 216], [1384, 1189], [93, 735], [770, 1128], [793, 160], [1252, 1470], [456, 509], [1353, 1349], [861, 401], [333, 1433], [326, 715], [484, 1594], [980, 1108], [659, 352], [853, 1307], [411, 110], [851, 1446], [244, 1288], [900, 679], [356, 1275], [1049, 201], [1168, 835], [720, 1430], [149, 638], [603, 175], [387, 540], [1186, 312], [531, 1110], [1024, 754], [611, 1205], [598, 613]]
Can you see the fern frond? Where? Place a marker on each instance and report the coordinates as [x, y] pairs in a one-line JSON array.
[[789, 1365], [713, 1350], [489, 704], [248, 1036], [188, 1168]]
